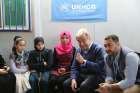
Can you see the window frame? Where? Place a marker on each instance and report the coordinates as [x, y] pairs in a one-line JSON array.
[[16, 28]]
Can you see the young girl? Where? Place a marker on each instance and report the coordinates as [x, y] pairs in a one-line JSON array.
[[7, 79], [63, 57], [40, 61], [18, 63]]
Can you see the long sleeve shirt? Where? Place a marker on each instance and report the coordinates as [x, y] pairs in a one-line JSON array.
[[18, 63], [94, 62], [15, 69], [131, 67]]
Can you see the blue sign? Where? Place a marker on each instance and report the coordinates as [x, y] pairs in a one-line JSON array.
[[79, 10]]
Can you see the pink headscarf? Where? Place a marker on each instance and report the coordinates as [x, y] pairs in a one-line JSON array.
[[62, 49]]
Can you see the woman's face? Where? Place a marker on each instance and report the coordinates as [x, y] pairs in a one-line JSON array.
[[64, 40], [20, 46]]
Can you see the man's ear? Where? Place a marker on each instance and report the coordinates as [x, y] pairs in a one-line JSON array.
[[87, 36]]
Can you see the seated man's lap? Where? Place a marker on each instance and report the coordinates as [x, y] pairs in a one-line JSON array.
[[133, 89], [91, 82], [117, 91]]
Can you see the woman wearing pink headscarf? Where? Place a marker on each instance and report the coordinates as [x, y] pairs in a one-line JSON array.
[[63, 57]]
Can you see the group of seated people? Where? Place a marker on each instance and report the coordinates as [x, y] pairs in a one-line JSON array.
[[91, 68]]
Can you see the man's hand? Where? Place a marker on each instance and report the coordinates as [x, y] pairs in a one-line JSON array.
[[3, 71], [79, 58], [104, 88], [74, 85]]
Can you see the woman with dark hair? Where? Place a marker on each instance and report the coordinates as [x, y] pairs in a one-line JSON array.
[[7, 79], [40, 61], [63, 57]]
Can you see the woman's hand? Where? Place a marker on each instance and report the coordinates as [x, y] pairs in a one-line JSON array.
[[61, 71], [3, 71]]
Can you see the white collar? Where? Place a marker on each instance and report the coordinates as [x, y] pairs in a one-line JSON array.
[[90, 45]]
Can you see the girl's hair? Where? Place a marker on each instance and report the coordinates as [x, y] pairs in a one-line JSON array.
[[37, 40], [15, 38]]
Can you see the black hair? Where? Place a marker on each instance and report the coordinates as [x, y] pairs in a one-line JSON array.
[[113, 37], [38, 40]]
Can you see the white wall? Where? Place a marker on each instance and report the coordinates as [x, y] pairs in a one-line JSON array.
[[123, 20]]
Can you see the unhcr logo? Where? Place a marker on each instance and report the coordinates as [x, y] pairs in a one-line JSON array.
[[83, 7], [78, 7], [65, 8]]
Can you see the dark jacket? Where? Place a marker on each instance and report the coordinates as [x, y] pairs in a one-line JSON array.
[[2, 62], [36, 60]]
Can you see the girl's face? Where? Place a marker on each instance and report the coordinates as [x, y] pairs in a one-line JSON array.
[[40, 46], [64, 40], [20, 46]]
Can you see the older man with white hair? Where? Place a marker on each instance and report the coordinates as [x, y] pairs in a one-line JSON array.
[[87, 70]]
